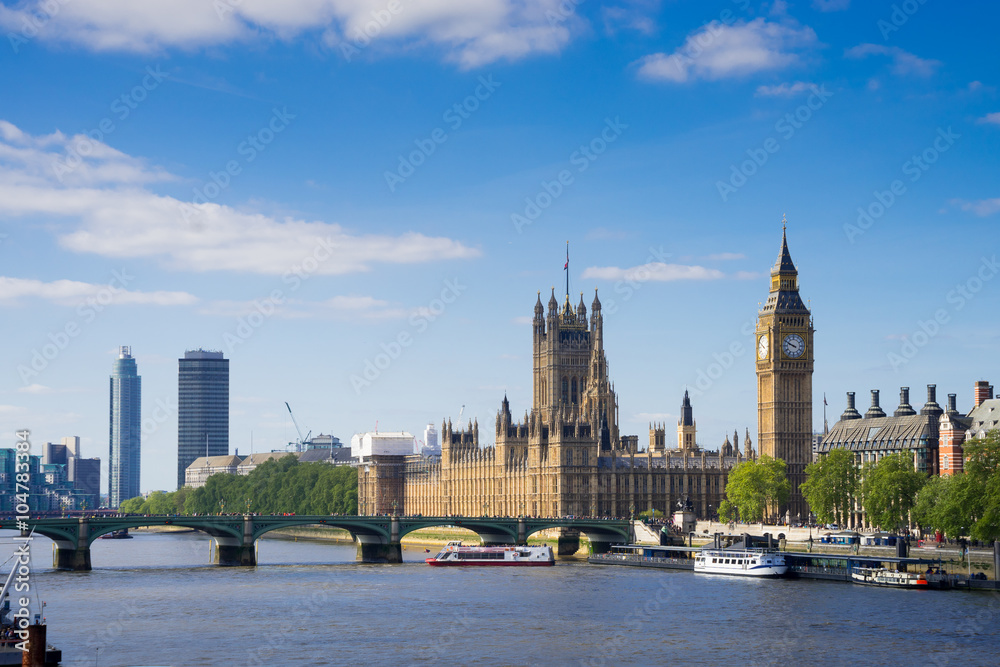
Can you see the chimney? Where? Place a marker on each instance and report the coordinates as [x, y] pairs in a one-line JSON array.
[[904, 409], [931, 407], [982, 391], [874, 410], [851, 412], [953, 405]]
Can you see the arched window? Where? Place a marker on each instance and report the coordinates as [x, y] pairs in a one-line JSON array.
[[565, 390], [575, 401], [569, 457]]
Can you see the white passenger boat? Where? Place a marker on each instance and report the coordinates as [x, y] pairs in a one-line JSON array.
[[880, 576], [741, 562], [455, 553]]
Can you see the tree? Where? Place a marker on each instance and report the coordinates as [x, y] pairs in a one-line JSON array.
[[950, 504], [981, 497], [889, 490], [727, 512], [831, 486], [132, 505], [756, 488]]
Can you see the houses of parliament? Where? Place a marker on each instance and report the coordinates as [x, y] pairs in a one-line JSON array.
[[566, 456]]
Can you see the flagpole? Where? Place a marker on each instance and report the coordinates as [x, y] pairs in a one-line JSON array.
[[567, 269]]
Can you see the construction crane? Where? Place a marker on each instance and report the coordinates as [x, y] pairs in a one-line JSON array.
[[301, 444], [460, 413]]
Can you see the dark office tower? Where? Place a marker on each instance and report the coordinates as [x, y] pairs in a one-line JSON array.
[[125, 429], [202, 408]]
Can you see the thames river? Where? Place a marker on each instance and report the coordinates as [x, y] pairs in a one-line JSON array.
[[155, 600]]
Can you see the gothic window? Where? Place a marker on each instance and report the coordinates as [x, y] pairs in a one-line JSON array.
[[585, 457], [565, 390], [644, 485], [574, 396], [569, 457]]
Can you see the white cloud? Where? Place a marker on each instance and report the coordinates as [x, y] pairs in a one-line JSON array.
[[719, 51], [471, 32], [634, 16], [114, 214], [74, 293], [655, 417], [654, 271], [904, 63], [980, 207], [36, 389], [991, 118], [725, 256], [785, 89]]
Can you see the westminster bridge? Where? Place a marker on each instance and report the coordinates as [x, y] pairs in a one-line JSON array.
[[378, 537]]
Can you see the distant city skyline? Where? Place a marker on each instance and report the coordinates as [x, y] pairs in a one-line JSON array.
[[362, 226]]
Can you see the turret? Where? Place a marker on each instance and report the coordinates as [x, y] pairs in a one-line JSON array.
[[953, 405], [851, 412], [904, 409], [875, 410], [581, 311], [931, 407]]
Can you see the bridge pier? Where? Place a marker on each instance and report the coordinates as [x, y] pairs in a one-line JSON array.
[[68, 558], [234, 555], [371, 549], [568, 542]]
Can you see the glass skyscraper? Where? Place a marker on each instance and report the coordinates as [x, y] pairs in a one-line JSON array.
[[202, 408], [125, 429]]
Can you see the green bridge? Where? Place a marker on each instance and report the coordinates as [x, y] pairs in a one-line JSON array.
[[378, 537]]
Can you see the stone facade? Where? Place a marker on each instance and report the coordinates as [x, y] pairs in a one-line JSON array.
[[563, 457]]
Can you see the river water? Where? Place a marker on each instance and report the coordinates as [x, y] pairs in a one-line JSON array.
[[155, 600]]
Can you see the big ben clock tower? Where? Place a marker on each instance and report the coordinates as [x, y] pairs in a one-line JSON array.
[[784, 379]]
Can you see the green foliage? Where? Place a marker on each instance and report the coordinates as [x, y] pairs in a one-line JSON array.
[[889, 491], [727, 512], [949, 504], [274, 487], [966, 504], [831, 486], [756, 488], [651, 514]]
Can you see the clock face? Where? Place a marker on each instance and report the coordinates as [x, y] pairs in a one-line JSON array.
[[793, 346], [762, 344]]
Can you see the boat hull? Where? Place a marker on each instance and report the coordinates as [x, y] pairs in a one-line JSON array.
[[890, 583], [500, 563], [762, 573]]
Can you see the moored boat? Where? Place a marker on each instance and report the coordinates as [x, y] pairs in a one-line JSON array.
[[455, 553], [741, 562], [880, 576], [117, 535]]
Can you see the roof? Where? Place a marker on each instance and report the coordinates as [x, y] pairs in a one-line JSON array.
[[876, 433], [337, 454], [784, 264], [216, 461], [984, 418], [261, 457]]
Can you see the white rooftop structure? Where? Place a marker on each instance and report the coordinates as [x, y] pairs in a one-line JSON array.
[[366, 445]]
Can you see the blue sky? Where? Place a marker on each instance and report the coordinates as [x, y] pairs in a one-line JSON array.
[[269, 180]]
